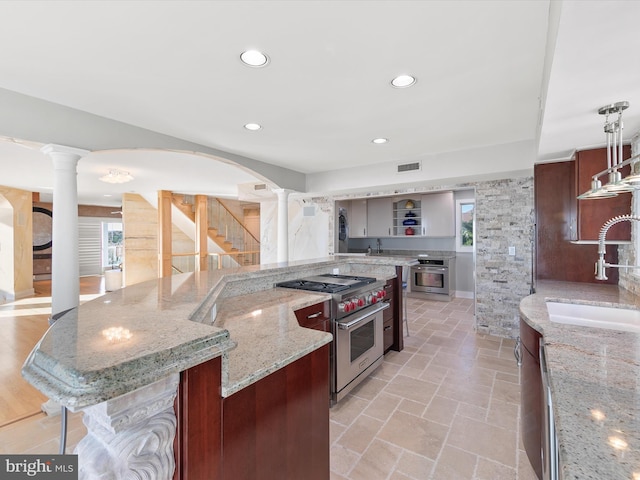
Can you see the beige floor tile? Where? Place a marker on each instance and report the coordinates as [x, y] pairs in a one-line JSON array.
[[412, 408], [369, 390], [383, 406], [490, 470], [415, 466], [484, 439], [503, 414], [335, 430], [360, 433], [346, 412], [455, 464], [415, 434], [441, 410], [342, 460], [411, 388], [506, 391], [378, 461]]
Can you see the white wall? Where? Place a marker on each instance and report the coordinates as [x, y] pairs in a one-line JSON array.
[[488, 163]]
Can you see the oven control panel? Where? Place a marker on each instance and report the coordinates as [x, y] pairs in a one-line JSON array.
[[360, 301]]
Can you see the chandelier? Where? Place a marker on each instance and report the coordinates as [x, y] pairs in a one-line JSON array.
[[117, 176], [615, 184]]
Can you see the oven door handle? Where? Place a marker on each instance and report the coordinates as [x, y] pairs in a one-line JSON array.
[[360, 318]]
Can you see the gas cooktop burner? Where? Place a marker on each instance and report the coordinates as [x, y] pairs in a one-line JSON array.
[[328, 283], [313, 286]]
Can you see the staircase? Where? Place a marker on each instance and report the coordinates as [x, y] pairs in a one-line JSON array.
[[239, 245]]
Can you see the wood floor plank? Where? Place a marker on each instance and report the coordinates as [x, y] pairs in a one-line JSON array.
[[22, 325]]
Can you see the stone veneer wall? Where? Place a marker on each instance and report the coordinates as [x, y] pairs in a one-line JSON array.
[[630, 278], [504, 218]]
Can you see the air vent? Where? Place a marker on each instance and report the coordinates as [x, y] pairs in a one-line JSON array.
[[260, 186], [409, 167]]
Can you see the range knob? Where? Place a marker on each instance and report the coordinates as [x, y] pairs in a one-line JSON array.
[[361, 302], [373, 298], [381, 294], [344, 307]]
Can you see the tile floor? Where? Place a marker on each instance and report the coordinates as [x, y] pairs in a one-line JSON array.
[[446, 407]]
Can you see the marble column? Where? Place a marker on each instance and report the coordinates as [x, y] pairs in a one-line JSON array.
[[283, 224], [65, 270], [131, 436]]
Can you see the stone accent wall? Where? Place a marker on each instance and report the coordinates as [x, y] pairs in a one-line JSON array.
[[630, 278], [504, 218]]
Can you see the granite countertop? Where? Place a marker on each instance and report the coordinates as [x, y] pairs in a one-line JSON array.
[[165, 326], [267, 333], [594, 375]]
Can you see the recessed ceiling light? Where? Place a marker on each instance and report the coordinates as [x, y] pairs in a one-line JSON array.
[[253, 126], [254, 58], [402, 81], [380, 141]]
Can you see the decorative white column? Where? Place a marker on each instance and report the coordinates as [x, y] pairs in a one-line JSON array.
[[131, 436], [283, 224], [65, 270]]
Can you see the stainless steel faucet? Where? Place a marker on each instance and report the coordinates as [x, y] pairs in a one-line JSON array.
[[379, 245], [601, 264]]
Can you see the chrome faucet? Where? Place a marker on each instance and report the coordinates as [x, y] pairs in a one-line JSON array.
[[601, 264], [379, 245]]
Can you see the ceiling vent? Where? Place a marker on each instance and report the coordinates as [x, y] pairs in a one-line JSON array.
[[409, 167], [260, 186]]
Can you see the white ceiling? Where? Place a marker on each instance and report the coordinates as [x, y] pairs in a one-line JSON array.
[[173, 67]]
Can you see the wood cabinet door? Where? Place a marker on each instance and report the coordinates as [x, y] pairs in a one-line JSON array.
[[278, 427], [556, 258], [592, 214], [531, 398]]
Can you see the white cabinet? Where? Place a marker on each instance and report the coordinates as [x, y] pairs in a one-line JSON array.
[[407, 218], [438, 215], [358, 218], [380, 217]]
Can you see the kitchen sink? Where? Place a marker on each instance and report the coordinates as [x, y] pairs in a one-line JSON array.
[[597, 316]]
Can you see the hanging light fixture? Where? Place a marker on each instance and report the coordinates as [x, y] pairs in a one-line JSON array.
[[117, 176], [615, 183]]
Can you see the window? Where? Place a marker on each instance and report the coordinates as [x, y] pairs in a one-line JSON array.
[[112, 244], [465, 221]]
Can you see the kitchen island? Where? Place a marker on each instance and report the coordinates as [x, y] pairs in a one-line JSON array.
[[123, 357], [594, 380]]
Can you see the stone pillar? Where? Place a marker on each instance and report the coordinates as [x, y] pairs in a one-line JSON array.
[[283, 224], [65, 270], [131, 436]]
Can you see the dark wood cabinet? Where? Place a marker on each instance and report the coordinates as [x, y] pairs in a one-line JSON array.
[[531, 398], [588, 216], [388, 316], [276, 428], [556, 257], [198, 406], [317, 316]]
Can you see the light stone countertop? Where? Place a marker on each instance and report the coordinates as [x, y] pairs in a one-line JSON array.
[[170, 327], [267, 333], [591, 370]]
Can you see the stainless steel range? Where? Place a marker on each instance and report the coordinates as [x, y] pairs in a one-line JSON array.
[[356, 326]]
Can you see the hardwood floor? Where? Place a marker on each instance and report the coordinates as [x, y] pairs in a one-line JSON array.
[[22, 324]]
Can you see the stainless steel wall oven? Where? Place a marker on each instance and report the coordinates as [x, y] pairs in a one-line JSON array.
[[430, 276]]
